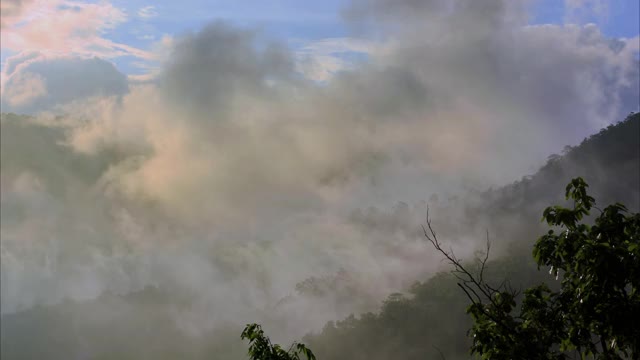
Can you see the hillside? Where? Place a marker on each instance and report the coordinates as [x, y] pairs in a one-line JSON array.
[[430, 321]]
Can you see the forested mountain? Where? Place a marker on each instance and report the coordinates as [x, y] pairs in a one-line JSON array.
[[608, 161], [428, 321]]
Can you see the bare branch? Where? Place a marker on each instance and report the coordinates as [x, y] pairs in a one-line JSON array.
[[468, 282], [439, 352]]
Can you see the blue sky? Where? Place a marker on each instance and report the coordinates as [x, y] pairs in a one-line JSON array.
[[322, 19], [293, 22], [290, 21], [620, 19], [296, 22]]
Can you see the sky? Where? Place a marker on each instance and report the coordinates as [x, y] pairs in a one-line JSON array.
[[231, 149], [132, 34]]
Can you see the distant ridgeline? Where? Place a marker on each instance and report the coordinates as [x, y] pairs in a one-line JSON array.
[[429, 322], [609, 161]]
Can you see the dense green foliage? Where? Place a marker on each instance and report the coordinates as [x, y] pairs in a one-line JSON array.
[[597, 306], [261, 348]]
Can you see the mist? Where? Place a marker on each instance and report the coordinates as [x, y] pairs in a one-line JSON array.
[[230, 177]]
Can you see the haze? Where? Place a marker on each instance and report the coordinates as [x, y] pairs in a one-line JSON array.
[[226, 152]]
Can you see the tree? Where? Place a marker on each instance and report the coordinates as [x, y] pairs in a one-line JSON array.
[[597, 307], [261, 348]]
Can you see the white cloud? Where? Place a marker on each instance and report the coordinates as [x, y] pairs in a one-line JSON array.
[[322, 59], [34, 82], [25, 88], [69, 28], [12, 10], [585, 11], [148, 12], [146, 37]]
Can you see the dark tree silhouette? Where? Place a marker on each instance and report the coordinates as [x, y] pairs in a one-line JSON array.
[[261, 348], [596, 309]]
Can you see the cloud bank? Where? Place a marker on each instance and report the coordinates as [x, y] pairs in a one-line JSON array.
[[35, 82], [233, 177]]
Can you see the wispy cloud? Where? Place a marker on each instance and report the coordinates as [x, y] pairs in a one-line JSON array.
[[148, 12], [12, 10], [321, 59], [34, 82], [66, 28], [584, 11], [27, 87]]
